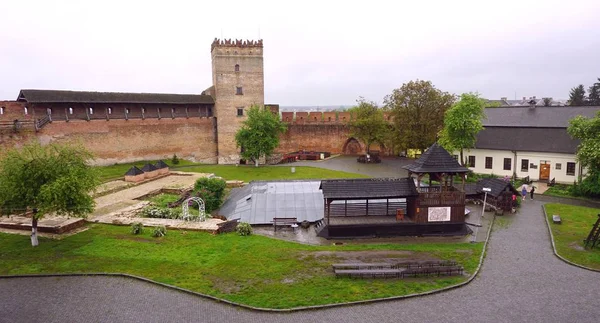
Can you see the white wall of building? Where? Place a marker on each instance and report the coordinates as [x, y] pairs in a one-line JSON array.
[[536, 158]]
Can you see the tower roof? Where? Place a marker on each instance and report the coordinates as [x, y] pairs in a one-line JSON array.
[[436, 160], [236, 43]]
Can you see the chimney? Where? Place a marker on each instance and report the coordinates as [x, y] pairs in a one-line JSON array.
[[524, 98]]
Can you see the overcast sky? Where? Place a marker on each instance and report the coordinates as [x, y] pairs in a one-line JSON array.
[[315, 52]]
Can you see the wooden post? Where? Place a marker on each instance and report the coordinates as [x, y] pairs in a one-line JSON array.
[[87, 112], [367, 207], [345, 208], [143, 112], [328, 204], [187, 112], [67, 114]]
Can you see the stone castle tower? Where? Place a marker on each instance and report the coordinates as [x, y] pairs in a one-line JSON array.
[[238, 81]]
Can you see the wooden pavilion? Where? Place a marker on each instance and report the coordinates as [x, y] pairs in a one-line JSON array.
[[440, 201]]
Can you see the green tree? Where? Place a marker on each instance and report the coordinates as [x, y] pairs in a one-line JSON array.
[[368, 123], [547, 102], [594, 94], [577, 96], [259, 134], [418, 109], [587, 130], [212, 191], [462, 123], [50, 179]]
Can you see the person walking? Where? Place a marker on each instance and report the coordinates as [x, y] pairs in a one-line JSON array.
[[532, 190], [524, 191]]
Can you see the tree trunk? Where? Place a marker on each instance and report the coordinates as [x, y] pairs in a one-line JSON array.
[[462, 158], [34, 225]]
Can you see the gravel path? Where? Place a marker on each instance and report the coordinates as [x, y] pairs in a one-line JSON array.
[[521, 281]]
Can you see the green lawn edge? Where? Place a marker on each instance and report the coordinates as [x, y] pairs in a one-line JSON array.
[[91, 252], [567, 237]]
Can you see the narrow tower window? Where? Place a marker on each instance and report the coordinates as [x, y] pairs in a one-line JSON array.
[[26, 111], [109, 110], [238, 90], [70, 110], [1, 110], [237, 67], [91, 110], [240, 112]]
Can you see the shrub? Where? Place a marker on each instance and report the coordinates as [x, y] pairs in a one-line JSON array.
[[137, 228], [588, 187], [244, 229], [159, 231], [212, 191], [160, 213], [175, 159]]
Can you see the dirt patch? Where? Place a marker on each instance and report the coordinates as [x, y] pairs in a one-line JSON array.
[[576, 246]]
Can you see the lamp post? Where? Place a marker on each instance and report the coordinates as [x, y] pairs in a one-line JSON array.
[[486, 190]]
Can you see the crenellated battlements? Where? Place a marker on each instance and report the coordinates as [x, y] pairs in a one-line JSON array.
[[236, 43]]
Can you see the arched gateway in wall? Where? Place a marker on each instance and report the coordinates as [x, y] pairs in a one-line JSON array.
[[352, 147]]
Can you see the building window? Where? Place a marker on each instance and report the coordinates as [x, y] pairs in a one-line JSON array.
[[558, 166], [329, 119], [109, 110], [238, 90], [488, 162], [91, 110], [26, 111], [507, 163], [471, 161], [1, 110], [240, 112], [70, 110], [524, 165], [571, 169], [237, 67], [455, 157]]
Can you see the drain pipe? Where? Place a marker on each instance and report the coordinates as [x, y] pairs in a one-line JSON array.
[[515, 166]]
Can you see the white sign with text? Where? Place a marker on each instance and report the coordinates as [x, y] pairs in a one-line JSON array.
[[438, 214]]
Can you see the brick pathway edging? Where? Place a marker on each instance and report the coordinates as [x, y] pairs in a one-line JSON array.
[[554, 245], [261, 309]]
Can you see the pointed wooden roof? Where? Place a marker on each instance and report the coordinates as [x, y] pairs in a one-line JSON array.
[[436, 160], [148, 168], [161, 164], [134, 171]]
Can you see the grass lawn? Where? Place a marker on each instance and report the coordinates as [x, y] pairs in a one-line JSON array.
[[577, 221], [252, 270], [118, 170], [249, 173], [232, 172]]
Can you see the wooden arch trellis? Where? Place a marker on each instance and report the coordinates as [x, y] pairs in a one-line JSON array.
[[186, 216]]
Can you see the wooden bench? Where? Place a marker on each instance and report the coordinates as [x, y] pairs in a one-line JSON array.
[[358, 266], [422, 264], [430, 271], [293, 222], [371, 273]]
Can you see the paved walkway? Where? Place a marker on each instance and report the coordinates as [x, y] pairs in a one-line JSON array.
[[521, 281], [389, 166]]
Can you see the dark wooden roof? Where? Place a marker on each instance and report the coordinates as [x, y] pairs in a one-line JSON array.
[[553, 140], [496, 185], [55, 96], [543, 117], [368, 188], [161, 164], [134, 171], [436, 160], [149, 167]]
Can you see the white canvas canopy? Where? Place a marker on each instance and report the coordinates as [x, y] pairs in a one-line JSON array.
[[261, 201]]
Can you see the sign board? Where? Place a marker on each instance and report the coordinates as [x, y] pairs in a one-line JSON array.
[[438, 214], [485, 189]]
